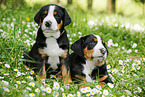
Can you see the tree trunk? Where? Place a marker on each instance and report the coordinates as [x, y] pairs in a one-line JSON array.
[[18, 2], [111, 6], [90, 2], [69, 2], [3, 2]]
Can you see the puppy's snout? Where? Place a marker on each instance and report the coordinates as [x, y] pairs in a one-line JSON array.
[[48, 23], [103, 51]]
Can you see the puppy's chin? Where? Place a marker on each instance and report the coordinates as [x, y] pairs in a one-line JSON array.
[[50, 31], [55, 34]]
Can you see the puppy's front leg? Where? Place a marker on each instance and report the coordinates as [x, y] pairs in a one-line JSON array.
[[104, 77]]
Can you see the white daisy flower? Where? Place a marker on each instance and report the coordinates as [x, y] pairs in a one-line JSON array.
[[93, 91], [108, 66], [6, 89], [52, 76], [134, 45], [37, 90], [18, 73], [139, 89], [7, 65], [23, 82], [70, 95], [32, 72], [138, 68], [32, 95], [1, 77], [105, 92], [18, 82], [6, 74], [28, 88], [83, 90], [78, 94], [5, 82], [16, 70], [16, 86], [61, 89], [43, 94], [56, 86], [48, 90], [63, 95], [55, 94], [98, 87], [121, 62], [42, 88], [32, 84], [30, 77], [88, 89], [88, 95], [110, 85]]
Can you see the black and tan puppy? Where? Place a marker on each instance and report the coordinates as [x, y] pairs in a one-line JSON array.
[[50, 51], [87, 62]]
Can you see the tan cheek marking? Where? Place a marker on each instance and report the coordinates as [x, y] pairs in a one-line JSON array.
[[60, 25], [41, 51], [40, 22], [88, 53]]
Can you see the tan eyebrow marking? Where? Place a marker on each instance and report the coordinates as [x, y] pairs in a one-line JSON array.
[[103, 41], [95, 39], [45, 12], [55, 12]]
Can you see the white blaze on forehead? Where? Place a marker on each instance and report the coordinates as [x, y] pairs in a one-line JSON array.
[[51, 10], [99, 46], [50, 17]]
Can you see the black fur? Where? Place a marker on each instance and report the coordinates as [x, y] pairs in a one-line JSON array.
[[35, 60], [77, 60]]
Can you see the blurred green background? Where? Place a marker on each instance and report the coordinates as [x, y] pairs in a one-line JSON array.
[[133, 8]]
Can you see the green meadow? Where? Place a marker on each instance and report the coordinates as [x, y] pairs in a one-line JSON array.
[[124, 36]]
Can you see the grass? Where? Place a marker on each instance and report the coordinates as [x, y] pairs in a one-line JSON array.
[[124, 37]]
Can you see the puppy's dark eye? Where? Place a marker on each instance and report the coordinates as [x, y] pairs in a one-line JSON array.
[[92, 44]]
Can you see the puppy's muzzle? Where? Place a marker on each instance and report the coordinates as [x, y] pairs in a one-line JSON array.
[[48, 23], [103, 51]]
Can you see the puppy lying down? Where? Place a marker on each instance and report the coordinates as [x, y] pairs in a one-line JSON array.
[[87, 62]]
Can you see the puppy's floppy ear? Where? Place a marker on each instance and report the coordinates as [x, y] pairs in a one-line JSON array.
[[66, 18], [37, 17], [77, 46]]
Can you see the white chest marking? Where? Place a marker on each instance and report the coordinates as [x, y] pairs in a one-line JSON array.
[[53, 51], [88, 68]]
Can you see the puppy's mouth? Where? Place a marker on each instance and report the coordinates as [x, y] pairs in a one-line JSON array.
[[98, 58], [50, 30]]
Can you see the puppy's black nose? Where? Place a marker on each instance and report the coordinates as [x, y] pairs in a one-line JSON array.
[[48, 23], [103, 50]]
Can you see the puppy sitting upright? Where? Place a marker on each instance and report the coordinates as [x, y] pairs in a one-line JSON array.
[[50, 51], [88, 60]]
